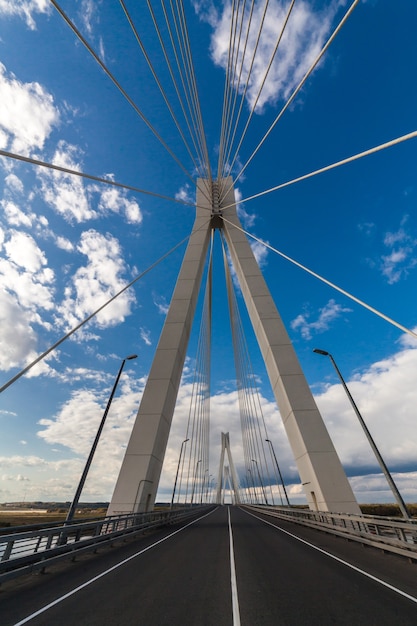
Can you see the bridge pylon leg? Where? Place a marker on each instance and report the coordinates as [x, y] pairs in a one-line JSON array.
[[322, 475]]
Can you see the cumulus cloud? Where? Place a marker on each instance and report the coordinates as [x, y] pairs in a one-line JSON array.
[[66, 193], [22, 250], [327, 315], [306, 33], [75, 200], [15, 216], [401, 257], [185, 195], [376, 391], [96, 282], [17, 337], [145, 335], [115, 200], [64, 244], [25, 9], [27, 114]]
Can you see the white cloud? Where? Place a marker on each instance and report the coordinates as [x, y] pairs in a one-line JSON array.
[[72, 198], [185, 195], [27, 288], [64, 244], [328, 314], [115, 200], [376, 392], [385, 394], [22, 250], [14, 183], [14, 215], [17, 337], [24, 9], [161, 304], [95, 283], [66, 193], [27, 114], [401, 258], [247, 219], [145, 335], [260, 252], [306, 33]]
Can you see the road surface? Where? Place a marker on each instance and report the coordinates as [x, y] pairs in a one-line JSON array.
[[228, 567]]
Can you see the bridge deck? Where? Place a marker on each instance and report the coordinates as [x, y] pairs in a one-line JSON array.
[[182, 575]]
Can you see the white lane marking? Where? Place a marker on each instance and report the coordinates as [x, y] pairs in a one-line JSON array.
[[235, 599], [111, 569], [336, 558]]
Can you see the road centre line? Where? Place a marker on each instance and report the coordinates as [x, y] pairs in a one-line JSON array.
[[235, 598], [336, 558], [111, 569]]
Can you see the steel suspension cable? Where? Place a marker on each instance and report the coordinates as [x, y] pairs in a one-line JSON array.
[[158, 82], [119, 87], [174, 81], [183, 19], [287, 17], [253, 57], [300, 85], [250, 405], [327, 168], [254, 52], [198, 415], [327, 282], [235, 83], [98, 179], [225, 92], [183, 69]]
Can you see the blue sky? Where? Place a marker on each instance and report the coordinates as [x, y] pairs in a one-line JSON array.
[[67, 244]]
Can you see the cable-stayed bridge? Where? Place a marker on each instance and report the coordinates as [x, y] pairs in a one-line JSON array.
[[218, 548]]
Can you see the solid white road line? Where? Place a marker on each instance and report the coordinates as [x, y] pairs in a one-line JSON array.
[[111, 569], [235, 599], [336, 558]]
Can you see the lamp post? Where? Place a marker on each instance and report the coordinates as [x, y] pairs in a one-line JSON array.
[[255, 495], [178, 469], [260, 479], [385, 470], [279, 471], [195, 480], [74, 504]]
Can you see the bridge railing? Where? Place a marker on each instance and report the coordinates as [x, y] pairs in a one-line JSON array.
[[386, 533], [25, 550]]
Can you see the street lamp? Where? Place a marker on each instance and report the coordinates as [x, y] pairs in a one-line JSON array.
[[255, 495], [260, 479], [195, 480], [178, 469], [279, 471], [74, 504], [394, 488]]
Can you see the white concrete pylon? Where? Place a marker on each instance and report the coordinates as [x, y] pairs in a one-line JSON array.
[[139, 474], [322, 475], [230, 473]]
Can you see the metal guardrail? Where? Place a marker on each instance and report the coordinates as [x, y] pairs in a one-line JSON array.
[[386, 533], [28, 550]]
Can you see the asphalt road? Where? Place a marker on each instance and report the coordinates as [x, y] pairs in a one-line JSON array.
[[228, 568]]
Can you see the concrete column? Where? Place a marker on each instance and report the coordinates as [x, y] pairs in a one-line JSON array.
[[139, 475], [324, 480]]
